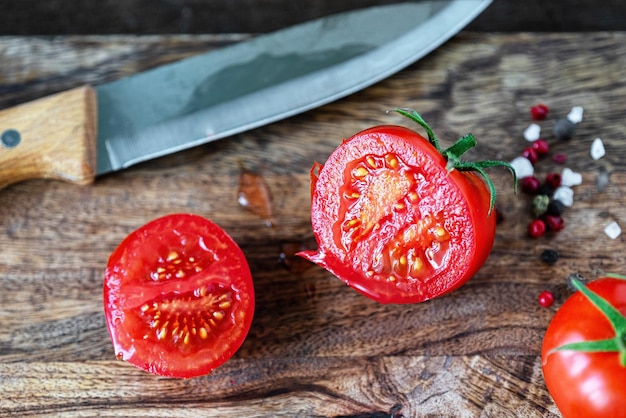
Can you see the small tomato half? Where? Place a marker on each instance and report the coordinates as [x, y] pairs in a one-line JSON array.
[[584, 351], [178, 297], [399, 219]]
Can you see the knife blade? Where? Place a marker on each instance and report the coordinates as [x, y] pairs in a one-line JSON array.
[[89, 131]]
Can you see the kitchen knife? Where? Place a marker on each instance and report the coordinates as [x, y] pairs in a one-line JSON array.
[[89, 131]]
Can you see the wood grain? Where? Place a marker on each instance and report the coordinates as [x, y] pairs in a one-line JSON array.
[[316, 347]]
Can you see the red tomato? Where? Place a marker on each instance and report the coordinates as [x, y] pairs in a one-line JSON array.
[[582, 381], [393, 221], [178, 297]]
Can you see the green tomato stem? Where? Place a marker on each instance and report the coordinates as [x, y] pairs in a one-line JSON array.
[[453, 155], [616, 344], [416, 117]]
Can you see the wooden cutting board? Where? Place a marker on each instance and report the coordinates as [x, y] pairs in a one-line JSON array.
[[316, 347]]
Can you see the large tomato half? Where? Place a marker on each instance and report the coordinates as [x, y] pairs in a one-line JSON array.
[[178, 297], [393, 221], [584, 353]]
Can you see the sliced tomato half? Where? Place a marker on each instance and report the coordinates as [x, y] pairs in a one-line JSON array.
[[178, 297], [397, 218]]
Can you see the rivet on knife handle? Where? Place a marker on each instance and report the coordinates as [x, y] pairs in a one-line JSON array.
[[53, 137]]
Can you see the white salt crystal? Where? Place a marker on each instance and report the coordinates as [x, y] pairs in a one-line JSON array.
[[523, 167], [576, 114], [597, 149], [565, 195], [570, 178], [532, 133], [613, 230]]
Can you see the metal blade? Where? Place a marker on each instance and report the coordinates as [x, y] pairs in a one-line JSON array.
[[268, 78]]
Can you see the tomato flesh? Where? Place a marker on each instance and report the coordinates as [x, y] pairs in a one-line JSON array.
[[392, 222], [585, 384], [178, 297]]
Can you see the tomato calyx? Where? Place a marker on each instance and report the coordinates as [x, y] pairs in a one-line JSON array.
[[616, 344], [453, 154]]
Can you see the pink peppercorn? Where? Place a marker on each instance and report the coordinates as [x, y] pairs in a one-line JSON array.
[[559, 158], [553, 180], [554, 223], [530, 185], [531, 154], [541, 146], [546, 298], [539, 111], [537, 228]]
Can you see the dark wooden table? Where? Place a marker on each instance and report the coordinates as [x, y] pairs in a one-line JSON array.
[[316, 347], [69, 17]]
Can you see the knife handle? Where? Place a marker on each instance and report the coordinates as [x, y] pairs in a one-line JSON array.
[[53, 137]]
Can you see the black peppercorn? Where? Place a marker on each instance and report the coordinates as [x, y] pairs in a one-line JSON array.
[[555, 208], [549, 256], [564, 128], [545, 189]]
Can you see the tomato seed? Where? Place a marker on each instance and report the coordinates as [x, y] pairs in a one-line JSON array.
[[546, 298], [359, 172], [392, 161]]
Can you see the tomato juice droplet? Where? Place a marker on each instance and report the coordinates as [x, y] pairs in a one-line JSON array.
[[253, 195], [287, 257]]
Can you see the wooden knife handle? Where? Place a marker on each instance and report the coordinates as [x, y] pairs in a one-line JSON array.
[[52, 137]]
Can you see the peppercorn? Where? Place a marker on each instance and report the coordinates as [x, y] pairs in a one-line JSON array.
[[540, 204], [539, 111], [555, 208], [546, 298], [553, 179], [541, 146], [564, 129], [531, 154], [554, 223], [537, 228], [549, 257], [530, 185], [559, 158], [546, 188]]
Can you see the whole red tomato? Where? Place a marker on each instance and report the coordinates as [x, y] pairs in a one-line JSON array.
[[178, 297], [584, 351], [399, 219]]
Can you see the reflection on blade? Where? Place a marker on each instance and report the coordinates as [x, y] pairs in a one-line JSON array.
[[271, 77]]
